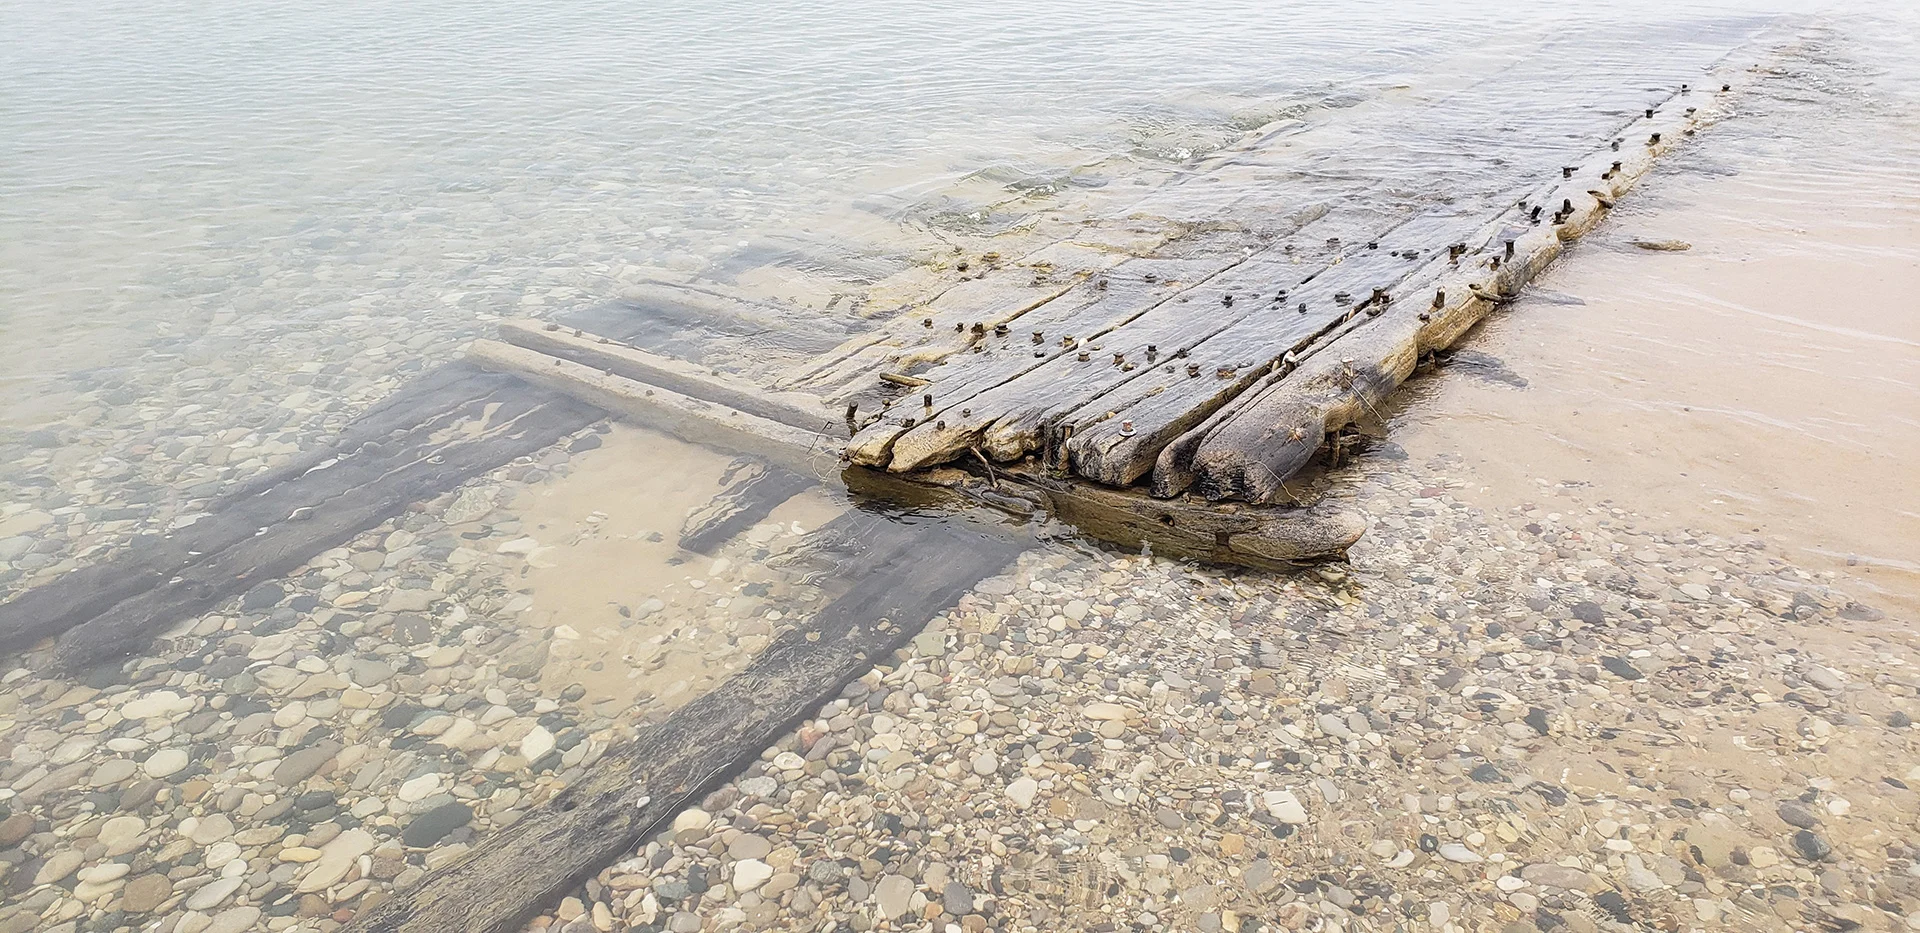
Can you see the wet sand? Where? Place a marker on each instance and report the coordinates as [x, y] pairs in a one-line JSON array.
[[1764, 381], [631, 615]]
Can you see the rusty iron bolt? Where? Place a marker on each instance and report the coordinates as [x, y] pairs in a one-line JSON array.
[[1126, 429]]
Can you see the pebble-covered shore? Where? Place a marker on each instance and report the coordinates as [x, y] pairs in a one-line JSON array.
[[1545, 718], [1548, 716]]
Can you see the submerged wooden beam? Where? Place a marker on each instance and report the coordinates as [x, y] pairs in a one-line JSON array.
[[903, 575], [346, 498], [691, 419], [793, 409], [437, 397], [754, 488], [1266, 537]]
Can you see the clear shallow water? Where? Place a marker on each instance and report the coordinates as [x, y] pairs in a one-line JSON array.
[[168, 168], [221, 229]]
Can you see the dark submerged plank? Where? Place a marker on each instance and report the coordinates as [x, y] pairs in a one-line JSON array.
[[369, 486], [754, 489], [904, 575], [428, 404]]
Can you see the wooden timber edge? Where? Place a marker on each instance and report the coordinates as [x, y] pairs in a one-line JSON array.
[[1249, 449], [1266, 537]]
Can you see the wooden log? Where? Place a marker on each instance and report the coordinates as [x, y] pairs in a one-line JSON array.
[[794, 409], [908, 573], [1115, 438], [1250, 454], [439, 397], [690, 419], [381, 482], [754, 488], [1266, 537]]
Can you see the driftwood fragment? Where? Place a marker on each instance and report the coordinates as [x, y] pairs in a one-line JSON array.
[[904, 575], [754, 488]]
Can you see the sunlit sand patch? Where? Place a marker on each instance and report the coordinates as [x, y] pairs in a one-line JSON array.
[[630, 616]]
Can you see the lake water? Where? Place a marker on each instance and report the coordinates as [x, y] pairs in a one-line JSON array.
[[182, 183], [227, 231]]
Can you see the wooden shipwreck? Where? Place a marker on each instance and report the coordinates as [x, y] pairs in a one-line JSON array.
[[1145, 395], [1154, 399]]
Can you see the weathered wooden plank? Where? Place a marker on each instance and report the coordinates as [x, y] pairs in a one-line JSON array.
[[1097, 307], [1251, 454], [1115, 438], [754, 488], [1091, 310], [908, 573], [690, 419], [428, 404], [388, 479], [1007, 421], [806, 412]]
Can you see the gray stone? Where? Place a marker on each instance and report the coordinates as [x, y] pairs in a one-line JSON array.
[[432, 826], [304, 763], [957, 899]]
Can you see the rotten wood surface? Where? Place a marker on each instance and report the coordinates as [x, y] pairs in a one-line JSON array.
[[901, 575], [437, 399], [1008, 420], [754, 488]]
